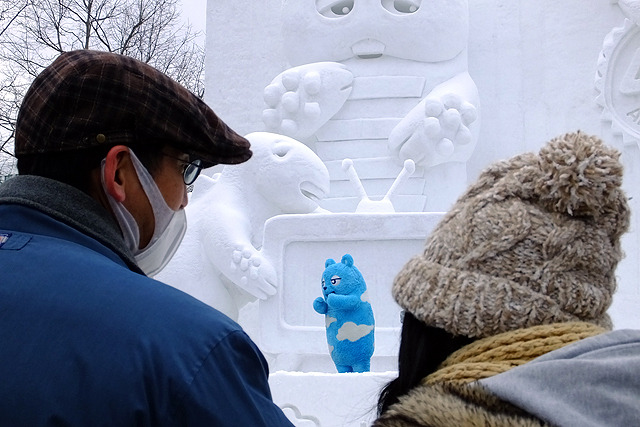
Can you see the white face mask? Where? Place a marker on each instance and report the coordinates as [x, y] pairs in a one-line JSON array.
[[170, 225]]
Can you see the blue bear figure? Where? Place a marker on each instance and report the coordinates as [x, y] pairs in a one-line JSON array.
[[348, 315]]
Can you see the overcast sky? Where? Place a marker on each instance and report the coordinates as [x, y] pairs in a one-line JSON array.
[[194, 11]]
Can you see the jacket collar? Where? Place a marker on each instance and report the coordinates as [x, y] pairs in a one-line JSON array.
[[70, 206]]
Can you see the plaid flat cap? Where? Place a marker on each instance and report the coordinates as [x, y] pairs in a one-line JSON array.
[[88, 98]]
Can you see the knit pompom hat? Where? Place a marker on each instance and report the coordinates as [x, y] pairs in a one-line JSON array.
[[534, 241]]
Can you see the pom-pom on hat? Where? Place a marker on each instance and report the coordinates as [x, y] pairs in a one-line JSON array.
[[536, 240], [89, 98]]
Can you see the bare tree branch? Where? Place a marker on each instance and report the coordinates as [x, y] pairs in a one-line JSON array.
[[13, 18], [34, 32]]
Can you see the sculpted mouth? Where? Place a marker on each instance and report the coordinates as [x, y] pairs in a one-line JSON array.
[[312, 191]]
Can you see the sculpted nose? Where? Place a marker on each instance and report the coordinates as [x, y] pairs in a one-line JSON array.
[[368, 49]]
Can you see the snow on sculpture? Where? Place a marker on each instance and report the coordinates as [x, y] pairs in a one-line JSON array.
[[220, 260], [617, 77], [631, 8], [379, 82], [385, 204]]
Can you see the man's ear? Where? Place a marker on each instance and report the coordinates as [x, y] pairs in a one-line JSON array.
[[116, 161]]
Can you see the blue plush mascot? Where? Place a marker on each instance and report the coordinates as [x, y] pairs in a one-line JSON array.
[[348, 315]]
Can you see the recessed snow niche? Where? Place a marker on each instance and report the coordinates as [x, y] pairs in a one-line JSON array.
[[289, 329]]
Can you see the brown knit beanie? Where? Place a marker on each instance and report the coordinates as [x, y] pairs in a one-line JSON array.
[[534, 241]]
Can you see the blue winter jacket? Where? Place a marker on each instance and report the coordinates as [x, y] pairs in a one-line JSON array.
[[87, 340]]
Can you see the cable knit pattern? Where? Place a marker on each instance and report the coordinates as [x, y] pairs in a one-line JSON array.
[[535, 241], [494, 355]]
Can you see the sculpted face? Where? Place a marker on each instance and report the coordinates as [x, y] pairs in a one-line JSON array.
[[288, 173], [338, 30]]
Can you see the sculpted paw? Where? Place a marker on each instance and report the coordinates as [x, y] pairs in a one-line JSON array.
[[301, 99], [435, 131], [253, 272]]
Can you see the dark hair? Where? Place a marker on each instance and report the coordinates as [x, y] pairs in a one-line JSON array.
[[74, 167], [422, 349]]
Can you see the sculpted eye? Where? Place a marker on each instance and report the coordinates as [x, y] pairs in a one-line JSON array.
[[335, 280], [334, 8], [402, 6], [281, 150]]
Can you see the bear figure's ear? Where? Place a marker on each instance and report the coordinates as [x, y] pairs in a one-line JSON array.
[[329, 262], [347, 260]]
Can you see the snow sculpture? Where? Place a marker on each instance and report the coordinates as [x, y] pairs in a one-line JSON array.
[[220, 260], [379, 82], [618, 85], [348, 315], [617, 78], [631, 8], [383, 205]]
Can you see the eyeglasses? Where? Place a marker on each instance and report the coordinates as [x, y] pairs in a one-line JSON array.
[[191, 169]]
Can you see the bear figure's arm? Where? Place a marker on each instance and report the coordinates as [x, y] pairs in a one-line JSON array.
[[320, 305]]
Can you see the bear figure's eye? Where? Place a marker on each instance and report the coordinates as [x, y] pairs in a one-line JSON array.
[[335, 280]]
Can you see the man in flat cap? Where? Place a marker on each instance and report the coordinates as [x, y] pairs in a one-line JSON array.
[[106, 147]]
